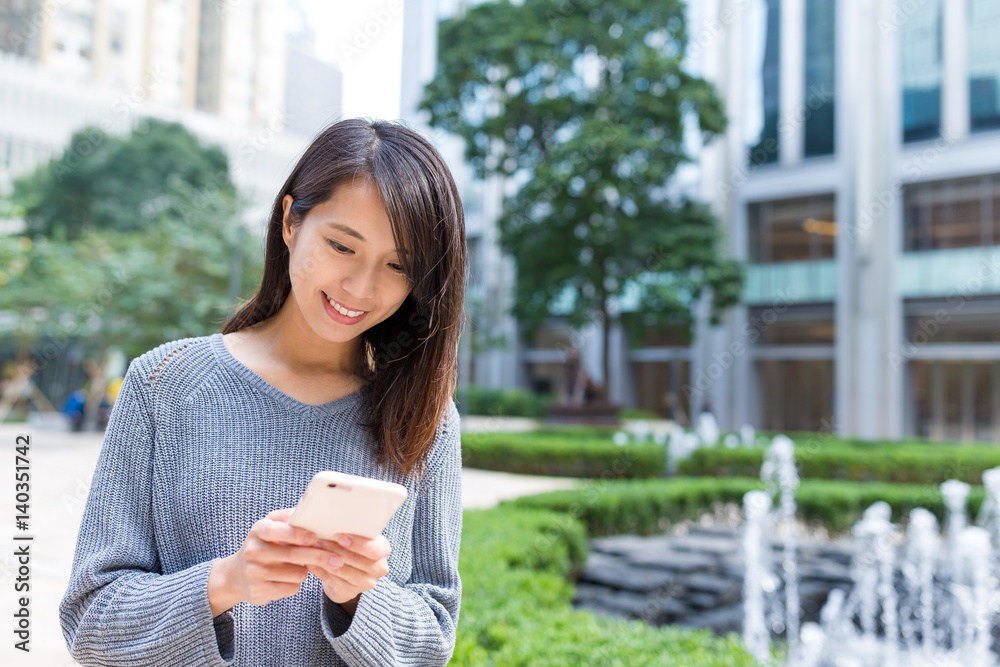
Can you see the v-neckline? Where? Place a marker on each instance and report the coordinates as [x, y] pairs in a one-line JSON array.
[[227, 359]]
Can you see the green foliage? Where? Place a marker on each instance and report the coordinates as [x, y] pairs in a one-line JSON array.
[[885, 462], [502, 402], [125, 249], [636, 413], [650, 506], [562, 454], [516, 611], [584, 105], [137, 289], [124, 183]]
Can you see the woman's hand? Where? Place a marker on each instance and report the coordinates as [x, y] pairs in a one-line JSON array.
[[363, 562], [272, 564]]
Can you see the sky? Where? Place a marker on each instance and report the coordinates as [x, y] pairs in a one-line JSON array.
[[364, 38]]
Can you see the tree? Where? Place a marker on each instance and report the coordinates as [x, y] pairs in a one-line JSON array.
[[122, 183], [582, 106], [118, 277]]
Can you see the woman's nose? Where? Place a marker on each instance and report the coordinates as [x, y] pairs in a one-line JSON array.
[[361, 284]]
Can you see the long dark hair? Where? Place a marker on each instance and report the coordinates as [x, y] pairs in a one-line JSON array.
[[410, 360]]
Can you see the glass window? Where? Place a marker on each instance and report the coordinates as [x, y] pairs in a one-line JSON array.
[[795, 395], [821, 19], [947, 326], [955, 400], [921, 72], [957, 213], [663, 387], [788, 230], [787, 331], [764, 146], [984, 64]]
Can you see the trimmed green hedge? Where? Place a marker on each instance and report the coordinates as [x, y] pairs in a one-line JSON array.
[[502, 402], [648, 506], [828, 439], [567, 453], [904, 464], [515, 566]]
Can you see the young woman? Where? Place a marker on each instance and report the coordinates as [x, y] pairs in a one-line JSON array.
[[344, 360]]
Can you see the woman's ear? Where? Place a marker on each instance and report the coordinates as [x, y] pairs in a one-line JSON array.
[[286, 227]]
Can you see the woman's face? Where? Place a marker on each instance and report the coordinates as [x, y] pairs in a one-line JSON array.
[[345, 268]]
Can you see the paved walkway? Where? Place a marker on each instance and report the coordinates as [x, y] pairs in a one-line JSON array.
[[61, 467]]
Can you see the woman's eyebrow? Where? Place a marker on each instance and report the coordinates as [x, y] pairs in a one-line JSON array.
[[350, 231], [347, 230]]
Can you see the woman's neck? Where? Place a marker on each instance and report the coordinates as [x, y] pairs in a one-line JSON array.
[[289, 341]]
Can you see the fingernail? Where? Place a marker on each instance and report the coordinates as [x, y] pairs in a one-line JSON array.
[[335, 561], [344, 541]]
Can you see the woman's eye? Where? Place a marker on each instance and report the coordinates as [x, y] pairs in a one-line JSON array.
[[338, 247], [396, 267]]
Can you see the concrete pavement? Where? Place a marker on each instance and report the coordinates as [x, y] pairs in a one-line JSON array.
[[62, 465]]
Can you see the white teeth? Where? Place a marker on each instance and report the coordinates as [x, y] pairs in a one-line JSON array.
[[343, 311]]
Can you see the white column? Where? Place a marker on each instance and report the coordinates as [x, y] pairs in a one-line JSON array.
[[742, 384], [845, 128], [866, 312], [791, 130], [955, 70], [893, 414], [419, 55], [619, 385], [996, 401]]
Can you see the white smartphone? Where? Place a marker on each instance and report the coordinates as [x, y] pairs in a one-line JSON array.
[[335, 503]]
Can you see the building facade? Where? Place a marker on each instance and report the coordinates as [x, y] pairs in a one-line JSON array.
[[859, 180], [228, 71], [225, 58]]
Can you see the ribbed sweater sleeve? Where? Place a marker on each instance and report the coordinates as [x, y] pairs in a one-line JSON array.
[[413, 623], [119, 609]]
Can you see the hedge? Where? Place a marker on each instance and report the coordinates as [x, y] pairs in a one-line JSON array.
[[562, 454], [516, 603], [590, 453], [649, 506], [502, 402], [825, 438], [904, 464]]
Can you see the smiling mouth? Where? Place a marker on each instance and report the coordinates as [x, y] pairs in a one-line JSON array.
[[342, 309]]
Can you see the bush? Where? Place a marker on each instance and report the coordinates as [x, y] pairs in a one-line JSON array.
[[562, 453], [502, 402], [902, 463], [825, 439], [649, 506], [636, 413], [516, 609]]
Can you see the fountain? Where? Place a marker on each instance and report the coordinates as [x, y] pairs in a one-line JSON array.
[[707, 429], [920, 598]]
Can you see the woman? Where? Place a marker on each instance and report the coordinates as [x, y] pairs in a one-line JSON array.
[[344, 360]]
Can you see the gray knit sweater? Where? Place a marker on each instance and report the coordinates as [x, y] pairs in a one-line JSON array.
[[198, 448]]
